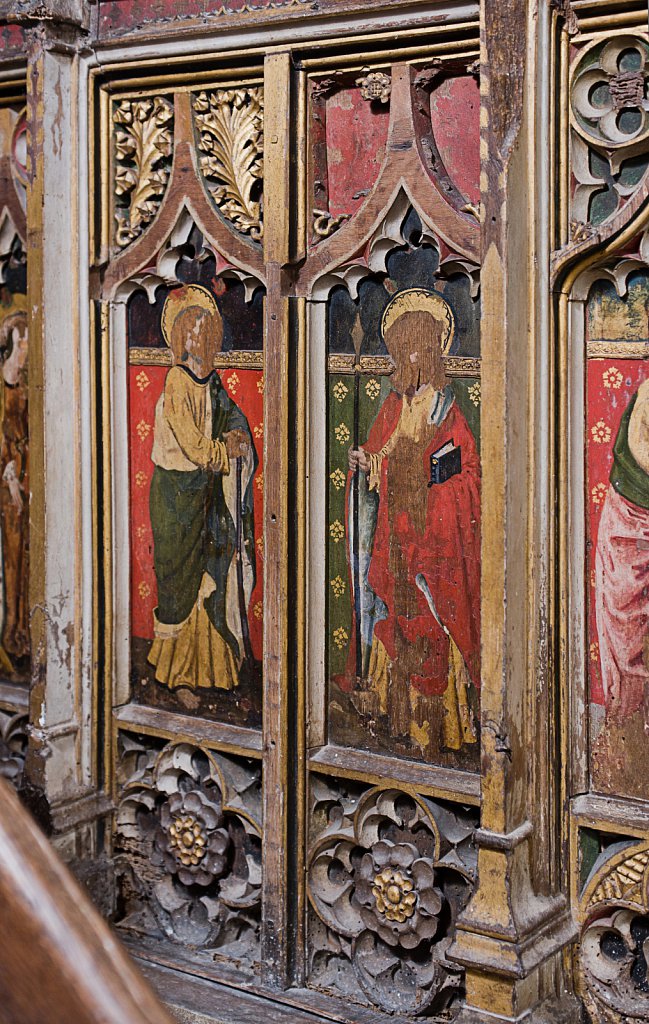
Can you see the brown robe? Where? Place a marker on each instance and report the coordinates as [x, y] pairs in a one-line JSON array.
[[15, 522]]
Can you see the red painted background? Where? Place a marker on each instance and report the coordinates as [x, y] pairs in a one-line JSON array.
[[356, 133], [145, 387], [12, 37], [455, 114], [611, 385], [116, 15]]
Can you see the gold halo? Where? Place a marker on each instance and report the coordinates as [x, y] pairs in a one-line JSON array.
[[414, 300], [18, 305], [183, 298]]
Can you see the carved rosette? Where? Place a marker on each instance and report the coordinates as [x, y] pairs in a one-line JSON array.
[[143, 146], [613, 953], [610, 126], [389, 872], [230, 138], [13, 745], [375, 86], [189, 836]]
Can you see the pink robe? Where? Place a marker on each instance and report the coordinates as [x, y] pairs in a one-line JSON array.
[[622, 602]]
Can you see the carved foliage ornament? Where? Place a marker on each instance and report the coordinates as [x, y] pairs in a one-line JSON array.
[[388, 875], [189, 835], [13, 745], [230, 124], [143, 143], [613, 955], [375, 86]]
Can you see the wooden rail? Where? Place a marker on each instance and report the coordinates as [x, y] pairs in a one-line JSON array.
[[59, 961]]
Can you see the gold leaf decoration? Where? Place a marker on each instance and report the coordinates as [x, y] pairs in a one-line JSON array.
[[230, 123], [143, 146], [626, 876]]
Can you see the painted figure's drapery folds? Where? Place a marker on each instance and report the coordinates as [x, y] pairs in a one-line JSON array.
[[201, 508], [622, 567], [419, 540], [14, 488]]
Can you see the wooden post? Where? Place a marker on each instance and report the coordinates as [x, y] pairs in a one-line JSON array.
[[277, 899], [60, 769], [511, 936]]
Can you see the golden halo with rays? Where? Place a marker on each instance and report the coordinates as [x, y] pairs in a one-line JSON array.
[[183, 298], [415, 300]]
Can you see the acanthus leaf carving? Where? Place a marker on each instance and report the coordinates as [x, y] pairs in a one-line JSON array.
[[230, 126], [143, 143]]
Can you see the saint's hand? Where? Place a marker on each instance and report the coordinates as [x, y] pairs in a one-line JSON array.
[[237, 443], [359, 458]]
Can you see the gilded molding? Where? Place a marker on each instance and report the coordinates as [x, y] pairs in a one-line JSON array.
[[238, 360], [456, 366], [618, 349]]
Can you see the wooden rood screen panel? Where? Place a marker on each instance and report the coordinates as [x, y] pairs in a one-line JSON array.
[[289, 328], [14, 433]]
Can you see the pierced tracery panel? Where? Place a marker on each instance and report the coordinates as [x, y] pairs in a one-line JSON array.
[[612, 959], [388, 873], [610, 127], [13, 745], [188, 845]]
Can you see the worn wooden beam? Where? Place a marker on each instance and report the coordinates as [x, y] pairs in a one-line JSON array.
[[276, 899], [511, 935]]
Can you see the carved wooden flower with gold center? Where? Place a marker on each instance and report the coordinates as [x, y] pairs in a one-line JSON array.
[[395, 895], [192, 839], [187, 840]]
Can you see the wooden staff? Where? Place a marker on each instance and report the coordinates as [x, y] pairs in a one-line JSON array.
[[243, 611], [357, 338]]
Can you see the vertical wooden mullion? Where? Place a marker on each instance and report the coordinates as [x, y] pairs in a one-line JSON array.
[[276, 899]]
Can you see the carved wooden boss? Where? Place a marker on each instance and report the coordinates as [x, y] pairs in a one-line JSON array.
[[324, 491]]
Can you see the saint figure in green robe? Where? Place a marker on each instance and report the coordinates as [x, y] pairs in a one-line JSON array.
[[201, 507]]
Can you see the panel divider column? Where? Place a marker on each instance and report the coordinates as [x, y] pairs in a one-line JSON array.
[[277, 902]]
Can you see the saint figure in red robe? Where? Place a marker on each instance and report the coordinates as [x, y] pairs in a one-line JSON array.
[[417, 563]]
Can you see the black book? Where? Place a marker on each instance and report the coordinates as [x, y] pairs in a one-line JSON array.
[[445, 463]]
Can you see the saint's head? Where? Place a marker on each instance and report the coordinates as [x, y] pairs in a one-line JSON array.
[[193, 328], [418, 329]]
